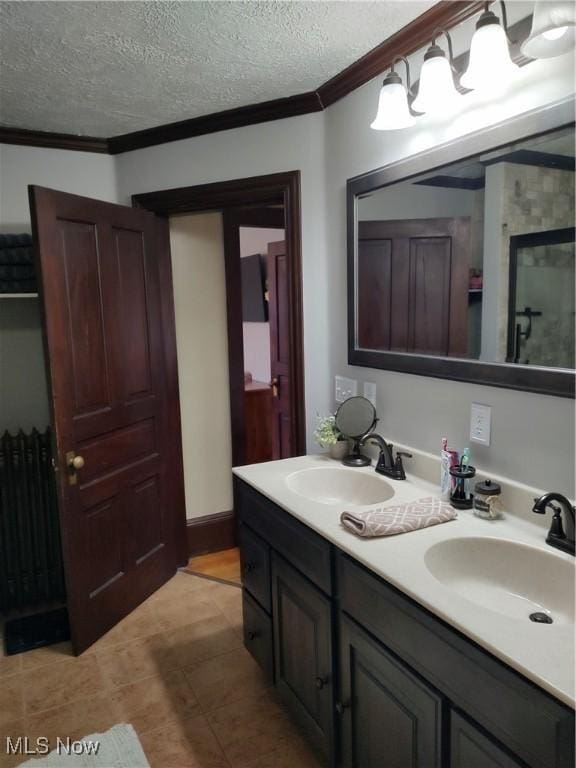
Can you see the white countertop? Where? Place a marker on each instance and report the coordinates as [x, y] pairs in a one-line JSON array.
[[544, 653]]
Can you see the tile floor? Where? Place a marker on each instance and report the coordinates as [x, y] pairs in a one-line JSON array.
[[176, 669]]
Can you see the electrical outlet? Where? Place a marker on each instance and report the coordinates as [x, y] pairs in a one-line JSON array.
[[480, 420], [344, 388], [370, 392]]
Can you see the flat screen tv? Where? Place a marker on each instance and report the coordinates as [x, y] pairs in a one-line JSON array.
[[254, 304]]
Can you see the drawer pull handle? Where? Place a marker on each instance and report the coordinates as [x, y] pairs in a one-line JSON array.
[[341, 706], [249, 567], [321, 682], [253, 635]]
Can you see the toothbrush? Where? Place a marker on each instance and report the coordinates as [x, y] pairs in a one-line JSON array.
[[465, 461]]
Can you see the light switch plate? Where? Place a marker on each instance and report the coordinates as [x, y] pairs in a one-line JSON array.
[[480, 423], [370, 392], [344, 388]]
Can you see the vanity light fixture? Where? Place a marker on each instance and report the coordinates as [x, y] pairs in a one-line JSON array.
[[553, 30], [490, 65], [436, 90], [393, 107]]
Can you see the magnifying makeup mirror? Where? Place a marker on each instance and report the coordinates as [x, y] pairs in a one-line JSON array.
[[355, 419]]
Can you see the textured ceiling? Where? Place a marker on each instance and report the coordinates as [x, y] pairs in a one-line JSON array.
[[106, 68]]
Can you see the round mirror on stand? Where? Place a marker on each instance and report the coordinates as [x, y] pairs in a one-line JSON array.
[[355, 419]]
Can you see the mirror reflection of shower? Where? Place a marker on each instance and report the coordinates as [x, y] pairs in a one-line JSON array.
[[541, 323]]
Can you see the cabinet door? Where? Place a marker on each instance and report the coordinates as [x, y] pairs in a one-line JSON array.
[[470, 748], [303, 651], [390, 718]]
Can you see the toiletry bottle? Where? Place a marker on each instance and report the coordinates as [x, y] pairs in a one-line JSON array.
[[448, 458]]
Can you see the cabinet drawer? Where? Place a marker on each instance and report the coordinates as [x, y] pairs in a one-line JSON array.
[[527, 721], [307, 551], [470, 748], [258, 634], [255, 565]]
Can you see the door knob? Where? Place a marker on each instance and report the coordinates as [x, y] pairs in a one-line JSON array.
[[341, 707], [74, 463], [77, 462], [275, 388]]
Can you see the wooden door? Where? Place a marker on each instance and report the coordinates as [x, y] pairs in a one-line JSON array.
[[303, 652], [471, 748], [389, 717], [105, 280], [279, 316], [412, 279]]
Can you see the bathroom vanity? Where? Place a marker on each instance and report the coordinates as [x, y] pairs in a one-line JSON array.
[[414, 650]]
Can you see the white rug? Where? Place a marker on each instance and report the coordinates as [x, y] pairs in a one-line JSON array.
[[117, 748]]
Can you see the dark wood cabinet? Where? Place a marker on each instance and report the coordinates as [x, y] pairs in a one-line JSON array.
[[470, 748], [399, 688], [258, 414], [302, 621], [389, 717]]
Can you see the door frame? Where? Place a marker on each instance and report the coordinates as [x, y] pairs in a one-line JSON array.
[[272, 189]]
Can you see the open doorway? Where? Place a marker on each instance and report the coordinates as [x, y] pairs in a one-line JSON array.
[[260, 227], [262, 252]]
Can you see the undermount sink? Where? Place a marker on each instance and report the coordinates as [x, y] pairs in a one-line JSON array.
[[337, 485], [508, 577]]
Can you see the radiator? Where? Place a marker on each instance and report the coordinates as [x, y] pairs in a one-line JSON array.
[[31, 570]]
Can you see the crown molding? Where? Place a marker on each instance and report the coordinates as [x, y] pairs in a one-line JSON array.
[[278, 109], [418, 33], [68, 141]]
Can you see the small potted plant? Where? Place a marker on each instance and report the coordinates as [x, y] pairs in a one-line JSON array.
[[329, 436]]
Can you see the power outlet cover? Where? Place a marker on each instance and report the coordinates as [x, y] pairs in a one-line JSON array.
[[480, 423], [370, 392]]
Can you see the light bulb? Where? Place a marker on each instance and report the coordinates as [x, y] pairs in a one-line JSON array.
[[436, 91], [555, 34], [553, 30], [490, 65], [393, 110]]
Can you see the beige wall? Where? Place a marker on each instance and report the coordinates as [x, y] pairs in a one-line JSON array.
[[197, 248]]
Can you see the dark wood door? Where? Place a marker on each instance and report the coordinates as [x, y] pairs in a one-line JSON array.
[[470, 748], [279, 316], [389, 717], [413, 286], [303, 652], [109, 332]]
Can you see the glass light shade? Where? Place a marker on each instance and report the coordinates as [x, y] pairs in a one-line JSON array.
[[490, 65], [436, 91], [393, 111], [553, 30]]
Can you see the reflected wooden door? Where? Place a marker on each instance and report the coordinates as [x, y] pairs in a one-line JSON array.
[[109, 334], [413, 285], [279, 349]]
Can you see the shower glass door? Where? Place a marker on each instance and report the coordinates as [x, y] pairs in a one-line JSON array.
[[541, 301]]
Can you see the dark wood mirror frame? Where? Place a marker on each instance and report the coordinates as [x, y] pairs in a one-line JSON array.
[[548, 381]]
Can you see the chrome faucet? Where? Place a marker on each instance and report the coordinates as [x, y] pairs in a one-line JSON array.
[[556, 535], [387, 464]]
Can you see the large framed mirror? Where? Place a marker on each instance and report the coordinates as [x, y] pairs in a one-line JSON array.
[[461, 260]]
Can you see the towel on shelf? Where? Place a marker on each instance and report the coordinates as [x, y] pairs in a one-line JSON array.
[[390, 521]]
